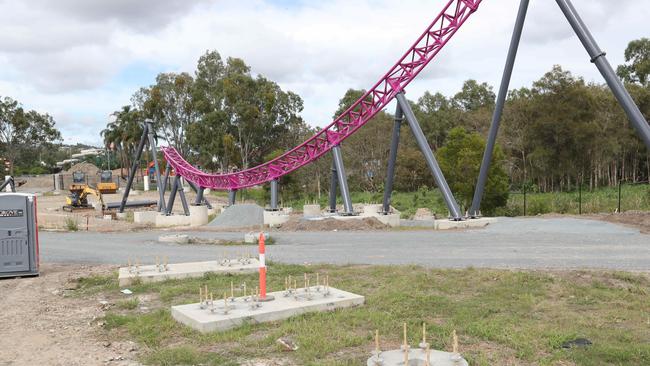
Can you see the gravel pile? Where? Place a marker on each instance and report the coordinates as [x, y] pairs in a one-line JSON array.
[[239, 216]]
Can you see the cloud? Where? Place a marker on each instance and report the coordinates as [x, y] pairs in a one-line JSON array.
[[80, 59]]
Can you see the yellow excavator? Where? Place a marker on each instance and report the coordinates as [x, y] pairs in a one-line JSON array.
[[79, 192], [106, 184]]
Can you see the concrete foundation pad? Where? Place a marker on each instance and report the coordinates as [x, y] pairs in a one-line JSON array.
[[275, 218], [417, 357], [242, 310], [465, 224], [311, 211], [153, 273]]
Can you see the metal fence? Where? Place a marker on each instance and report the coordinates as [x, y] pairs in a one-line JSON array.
[[625, 196]]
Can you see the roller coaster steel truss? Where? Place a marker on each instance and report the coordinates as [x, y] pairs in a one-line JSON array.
[[391, 86], [427, 46]]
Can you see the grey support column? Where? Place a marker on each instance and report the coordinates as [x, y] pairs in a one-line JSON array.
[[199, 197], [392, 158], [232, 197], [181, 193], [334, 185], [274, 195], [498, 110], [430, 159], [598, 58], [342, 180], [172, 197], [165, 180], [152, 146], [134, 167]]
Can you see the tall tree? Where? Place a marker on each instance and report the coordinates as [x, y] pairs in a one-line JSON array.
[[637, 58], [21, 131]]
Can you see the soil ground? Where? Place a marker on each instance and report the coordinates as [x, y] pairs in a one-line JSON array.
[[43, 325]]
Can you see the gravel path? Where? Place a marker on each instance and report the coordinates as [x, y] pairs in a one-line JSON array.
[[561, 243]]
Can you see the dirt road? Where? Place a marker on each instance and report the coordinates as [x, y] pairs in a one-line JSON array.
[[43, 325]]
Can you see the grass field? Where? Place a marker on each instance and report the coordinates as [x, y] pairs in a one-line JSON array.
[[603, 200], [502, 317]]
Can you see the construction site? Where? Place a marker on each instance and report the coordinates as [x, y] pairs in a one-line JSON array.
[[164, 262]]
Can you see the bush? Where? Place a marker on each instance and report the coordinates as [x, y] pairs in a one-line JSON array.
[[71, 224]]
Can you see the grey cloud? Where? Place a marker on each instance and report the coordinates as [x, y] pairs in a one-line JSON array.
[[143, 15]]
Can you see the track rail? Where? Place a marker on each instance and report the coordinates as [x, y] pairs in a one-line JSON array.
[[425, 48]]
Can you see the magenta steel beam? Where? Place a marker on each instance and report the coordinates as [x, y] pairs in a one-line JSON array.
[[425, 48]]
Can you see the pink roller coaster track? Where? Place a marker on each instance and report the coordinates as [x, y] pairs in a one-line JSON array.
[[427, 46]]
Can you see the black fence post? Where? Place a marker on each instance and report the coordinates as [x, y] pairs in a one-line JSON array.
[[580, 198], [619, 196], [524, 199]]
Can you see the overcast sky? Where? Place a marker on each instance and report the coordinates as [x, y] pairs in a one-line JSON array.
[[79, 60]]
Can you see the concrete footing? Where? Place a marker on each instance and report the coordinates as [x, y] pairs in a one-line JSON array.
[[162, 272], [275, 218], [309, 211], [466, 224], [221, 315], [252, 237], [198, 217], [417, 357]]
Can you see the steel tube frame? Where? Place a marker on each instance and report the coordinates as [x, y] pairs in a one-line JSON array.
[[199, 196], [392, 159], [232, 197], [333, 187], [134, 167], [498, 110], [154, 153], [438, 176], [9, 182], [598, 58], [172, 197], [181, 193], [274, 195], [342, 180]]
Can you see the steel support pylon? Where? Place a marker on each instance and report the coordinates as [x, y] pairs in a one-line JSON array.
[[392, 159], [342, 180], [498, 110], [154, 153], [134, 167], [439, 178], [333, 187], [274, 195], [232, 197], [598, 58]]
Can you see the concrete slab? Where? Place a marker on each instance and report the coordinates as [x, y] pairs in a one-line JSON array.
[[209, 318], [465, 224], [157, 273], [417, 357], [311, 211], [275, 218]]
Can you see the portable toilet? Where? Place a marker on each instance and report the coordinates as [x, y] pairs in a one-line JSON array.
[[18, 235]]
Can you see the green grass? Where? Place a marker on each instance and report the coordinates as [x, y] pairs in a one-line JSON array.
[[633, 197], [603, 200], [71, 224], [502, 317]]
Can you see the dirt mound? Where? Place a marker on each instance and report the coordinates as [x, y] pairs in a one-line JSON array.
[[88, 168], [329, 224], [637, 219]]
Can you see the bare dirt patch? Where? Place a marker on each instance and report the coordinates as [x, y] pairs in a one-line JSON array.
[[636, 219], [299, 224], [43, 325]]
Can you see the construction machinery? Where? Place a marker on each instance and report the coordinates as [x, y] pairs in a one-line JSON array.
[[106, 184], [79, 192], [78, 199]]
